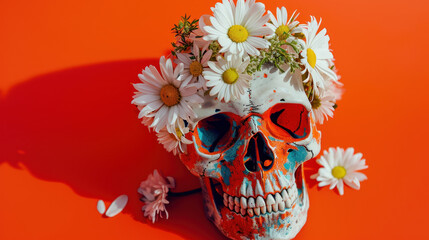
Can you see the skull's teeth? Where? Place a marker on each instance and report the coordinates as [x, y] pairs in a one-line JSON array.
[[274, 182], [258, 205], [243, 202]]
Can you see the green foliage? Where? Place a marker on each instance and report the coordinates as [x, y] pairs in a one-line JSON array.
[[277, 55], [215, 47], [182, 31]]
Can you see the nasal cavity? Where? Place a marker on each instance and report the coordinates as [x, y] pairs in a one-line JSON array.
[[259, 154]]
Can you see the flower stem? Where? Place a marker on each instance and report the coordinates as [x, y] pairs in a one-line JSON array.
[[186, 193]]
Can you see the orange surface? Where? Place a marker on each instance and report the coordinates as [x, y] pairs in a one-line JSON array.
[[69, 135]]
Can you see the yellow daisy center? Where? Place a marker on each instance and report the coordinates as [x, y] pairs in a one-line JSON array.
[[282, 31], [179, 133], [238, 33], [230, 76], [170, 95], [316, 103], [311, 57], [299, 35], [339, 172], [195, 68]]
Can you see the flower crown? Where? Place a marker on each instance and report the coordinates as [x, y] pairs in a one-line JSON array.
[[218, 54]]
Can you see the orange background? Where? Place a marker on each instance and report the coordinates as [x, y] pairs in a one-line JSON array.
[[69, 135]]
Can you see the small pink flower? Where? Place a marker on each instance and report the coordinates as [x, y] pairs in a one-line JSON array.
[[155, 190], [197, 35]]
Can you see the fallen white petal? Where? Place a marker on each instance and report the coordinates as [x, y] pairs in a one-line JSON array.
[[101, 207], [117, 206]]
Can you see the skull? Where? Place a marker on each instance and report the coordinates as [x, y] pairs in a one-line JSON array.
[[249, 154]]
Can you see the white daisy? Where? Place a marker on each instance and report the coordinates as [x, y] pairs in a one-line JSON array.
[[147, 121], [316, 56], [194, 65], [238, 28], [282, 26], [165, 97], [339, 167], [227, 77], [155, 191], [323, 107], [174, 140]]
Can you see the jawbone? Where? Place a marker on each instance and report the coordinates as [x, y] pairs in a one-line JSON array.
[[255, 222]]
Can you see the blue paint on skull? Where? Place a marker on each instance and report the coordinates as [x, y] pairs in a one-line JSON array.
[[295, 158], [217, 169], [298, 155], [274, 139], [289, 164], [216, 131], [226, 174], [256, 120], [280, 221], [231, 154]]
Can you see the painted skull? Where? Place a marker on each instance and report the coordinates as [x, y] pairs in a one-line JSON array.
[[249, 153]]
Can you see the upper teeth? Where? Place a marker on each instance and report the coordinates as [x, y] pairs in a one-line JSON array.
[[255, 202], [257, 205]]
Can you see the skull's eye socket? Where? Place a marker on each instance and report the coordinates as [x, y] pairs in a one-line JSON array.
[[216, 133], [292, 118]]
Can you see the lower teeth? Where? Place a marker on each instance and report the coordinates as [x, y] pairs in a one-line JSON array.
[[248, 206]]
